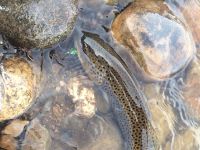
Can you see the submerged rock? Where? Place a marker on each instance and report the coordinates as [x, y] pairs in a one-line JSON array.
[[37, 23], [163, 116], [159, 42], [81, 89], [191, 12], [37, 137], [18, 87], [111, 2], [15, 128], [8, 143], [190, 91], [187, 140], [109, 139]]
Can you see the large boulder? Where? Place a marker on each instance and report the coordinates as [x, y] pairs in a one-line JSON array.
[[159, 42], [37, 23]]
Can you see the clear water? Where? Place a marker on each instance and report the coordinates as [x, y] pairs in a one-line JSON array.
[[173, 103]]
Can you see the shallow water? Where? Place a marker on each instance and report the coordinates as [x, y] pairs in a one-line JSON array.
[[76, 109]]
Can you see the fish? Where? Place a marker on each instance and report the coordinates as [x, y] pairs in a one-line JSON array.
[[106, 68], [106, 47]]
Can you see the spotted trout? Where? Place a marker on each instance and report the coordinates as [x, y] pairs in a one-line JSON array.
[[106, 68]]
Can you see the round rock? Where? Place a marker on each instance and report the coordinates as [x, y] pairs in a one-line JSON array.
[[17, 87], [37, 23], [160, 43]]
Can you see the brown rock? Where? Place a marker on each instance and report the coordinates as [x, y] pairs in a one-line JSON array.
[[37, 137], [159, 42], [15, 128], [191, 12], [8, 143], [18, 87]]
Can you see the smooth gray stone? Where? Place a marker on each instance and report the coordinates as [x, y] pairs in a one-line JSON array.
[[37, 23]]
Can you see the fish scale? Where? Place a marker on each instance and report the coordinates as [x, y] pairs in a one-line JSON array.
[[132, 119]]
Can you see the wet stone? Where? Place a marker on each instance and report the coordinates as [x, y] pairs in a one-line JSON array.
[[190, 9], [190, 89], [163, 117], [18, 87], [37, 23], [110, 139], [8, 142], [160, 43], [37, 137], [187, 140], [82, 95], [93, 133], [15, 128], [55, 111]]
